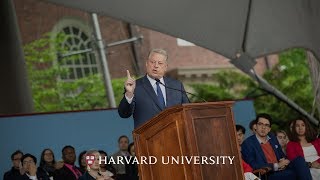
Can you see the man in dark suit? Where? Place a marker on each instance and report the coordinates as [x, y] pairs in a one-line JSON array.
[[69, 171], [145, 97], [17, 168], [263, 150]]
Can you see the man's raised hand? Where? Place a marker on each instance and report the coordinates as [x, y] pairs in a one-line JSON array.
[[129, 85]]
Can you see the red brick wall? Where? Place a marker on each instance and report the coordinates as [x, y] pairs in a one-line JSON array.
[[37, 17], [184, 56], [194, 56]]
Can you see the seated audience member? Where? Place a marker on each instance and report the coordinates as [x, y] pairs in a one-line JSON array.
[[48, 164], [29, 164], [93, 168], [241, 131], [123, 143], [283, 139], [69, 171], [132, 168], [82, 161], [246, 167], [303, 143], [253, 126], [16, 170], [263, 150], [105, 167]]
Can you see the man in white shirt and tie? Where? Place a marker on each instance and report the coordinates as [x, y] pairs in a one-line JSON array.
[[147, 96]]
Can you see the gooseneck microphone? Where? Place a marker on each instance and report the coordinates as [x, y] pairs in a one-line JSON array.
[[158, 80]]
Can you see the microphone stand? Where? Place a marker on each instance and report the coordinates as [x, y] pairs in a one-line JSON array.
[[180, 90]]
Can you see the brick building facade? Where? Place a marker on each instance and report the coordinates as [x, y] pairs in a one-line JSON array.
[[185, 60]]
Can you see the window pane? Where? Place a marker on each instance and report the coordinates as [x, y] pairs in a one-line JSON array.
[[63, 76], [84, 37], [69, 40], [73, 48], [71, 73], [94, 70], [89, 44], [76, 40], [82, 47], [92, 58], [84, 59], [82, 64], [69, 62], [75, 31], [66, 30], [77, 61], [66, 46], [86, 71], [79, 73]]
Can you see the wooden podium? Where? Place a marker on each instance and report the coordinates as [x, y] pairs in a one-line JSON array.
[[190, 131]]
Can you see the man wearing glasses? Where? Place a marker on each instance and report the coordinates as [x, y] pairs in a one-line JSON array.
[[29, 163], [262, 150]]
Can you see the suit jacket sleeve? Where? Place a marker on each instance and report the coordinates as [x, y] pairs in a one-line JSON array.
[[251, 155], [125, 109]]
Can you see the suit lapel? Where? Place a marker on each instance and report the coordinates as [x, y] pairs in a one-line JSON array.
[[167, 82], [150, 91]]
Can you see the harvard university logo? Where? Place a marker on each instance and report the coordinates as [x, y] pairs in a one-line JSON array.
[[90, 159]]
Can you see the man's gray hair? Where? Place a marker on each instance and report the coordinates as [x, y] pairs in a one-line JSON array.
[[159, 51]]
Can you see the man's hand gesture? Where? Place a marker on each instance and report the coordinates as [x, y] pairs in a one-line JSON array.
[[33, 169], [129, 85]]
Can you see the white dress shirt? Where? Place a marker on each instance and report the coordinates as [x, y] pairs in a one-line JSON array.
[[154, 86]]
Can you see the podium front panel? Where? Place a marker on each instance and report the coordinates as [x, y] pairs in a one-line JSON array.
[[164, 140], [199, 130], [213, 136]]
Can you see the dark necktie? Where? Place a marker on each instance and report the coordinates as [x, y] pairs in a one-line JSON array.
[[160, 96]]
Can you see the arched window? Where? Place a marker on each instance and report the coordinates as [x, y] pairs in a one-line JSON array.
[[77, 38]]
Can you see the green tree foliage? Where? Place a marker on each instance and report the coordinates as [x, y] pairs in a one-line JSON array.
[[228, 85], [291, 76], [51, 94]]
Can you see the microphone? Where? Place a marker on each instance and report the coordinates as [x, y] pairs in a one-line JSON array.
[[158, 80]]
